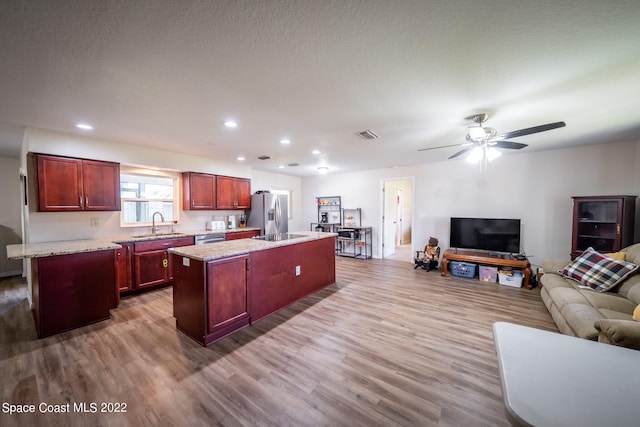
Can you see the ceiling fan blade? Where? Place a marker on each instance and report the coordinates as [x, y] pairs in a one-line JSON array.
[[529, 131], [507, 144], [461, 152], [441, 146]]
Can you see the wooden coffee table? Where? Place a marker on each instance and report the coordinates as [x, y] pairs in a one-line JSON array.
[[486, 258]]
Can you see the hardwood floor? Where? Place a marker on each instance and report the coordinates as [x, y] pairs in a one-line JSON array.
[[386, 345]]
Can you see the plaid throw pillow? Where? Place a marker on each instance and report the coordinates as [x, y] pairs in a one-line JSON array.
[[597, 271]]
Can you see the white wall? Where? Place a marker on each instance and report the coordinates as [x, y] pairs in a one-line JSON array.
[[51, 226], [533, 186], [10, 222]]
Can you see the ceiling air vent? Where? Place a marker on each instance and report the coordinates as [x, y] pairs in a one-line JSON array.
[[367, 134], [264, 157]]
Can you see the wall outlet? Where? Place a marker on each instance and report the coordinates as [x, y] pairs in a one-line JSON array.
[[95, 222], [297, 270]]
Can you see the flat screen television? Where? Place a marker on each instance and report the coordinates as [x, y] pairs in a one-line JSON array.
[[489, 234]]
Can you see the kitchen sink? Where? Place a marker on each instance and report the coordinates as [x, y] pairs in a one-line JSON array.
[[170, 234]]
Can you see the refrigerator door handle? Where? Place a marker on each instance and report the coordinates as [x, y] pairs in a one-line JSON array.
[[278, 213]]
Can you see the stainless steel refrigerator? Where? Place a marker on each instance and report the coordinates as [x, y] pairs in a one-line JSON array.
[[270, 213]]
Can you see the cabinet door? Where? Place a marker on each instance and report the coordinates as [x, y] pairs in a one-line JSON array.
[[124, 255], [101, 185], [225, 193], [198, 191], [227, 292], [233, 193], [59, 184], [151, 268], [243, 193]]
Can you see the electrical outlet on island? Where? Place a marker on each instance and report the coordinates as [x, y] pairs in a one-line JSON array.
[[95, 222]]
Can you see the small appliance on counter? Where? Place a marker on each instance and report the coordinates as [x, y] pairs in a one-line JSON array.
[[215, 225]]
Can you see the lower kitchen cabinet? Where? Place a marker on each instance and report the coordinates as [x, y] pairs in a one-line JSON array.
[[124, 267], [210, 298], [73, 290], [151, 263]]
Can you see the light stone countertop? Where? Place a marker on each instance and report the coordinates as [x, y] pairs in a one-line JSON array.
[[200, 252], [66, 247], [229, 248]]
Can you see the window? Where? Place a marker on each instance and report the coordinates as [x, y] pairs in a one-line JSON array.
[[288, 194], [143, 193]]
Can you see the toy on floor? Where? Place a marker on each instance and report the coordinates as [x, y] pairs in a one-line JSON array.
[[428, 259]]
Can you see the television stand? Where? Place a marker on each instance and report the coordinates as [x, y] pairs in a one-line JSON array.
[[487, 258]]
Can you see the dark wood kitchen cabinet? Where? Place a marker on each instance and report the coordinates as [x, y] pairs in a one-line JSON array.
[[233, 193], [210, 299], [151, 262], [70, 184], [198, 191], [605, 223], [73, 290], [124, 258]]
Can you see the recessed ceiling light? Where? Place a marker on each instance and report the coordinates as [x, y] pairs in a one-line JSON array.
[[231, 124], [280, 166], [84, 126], [240, 158], [285, 141], [323, 169], [316, 152]]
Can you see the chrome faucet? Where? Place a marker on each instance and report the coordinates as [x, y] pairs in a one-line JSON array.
[[154, 229]]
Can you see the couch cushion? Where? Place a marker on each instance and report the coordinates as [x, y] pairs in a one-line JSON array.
[[562, 296], [632, 253], [625, 287], [613, 314], [609, 301], [555, 280], [597, 271], [634, 293], [581, 318]]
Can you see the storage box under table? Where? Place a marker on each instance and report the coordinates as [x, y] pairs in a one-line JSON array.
[[487, 273], [463, 269], [511, 278]]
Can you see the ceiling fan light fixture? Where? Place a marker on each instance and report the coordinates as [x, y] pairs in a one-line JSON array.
[[475, 155], [476, 133], [493, 153]]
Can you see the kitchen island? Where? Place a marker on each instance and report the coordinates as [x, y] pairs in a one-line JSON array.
[[223, 287], [72, 283]]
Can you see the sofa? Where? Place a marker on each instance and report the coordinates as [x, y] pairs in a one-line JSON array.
[[605, 316]]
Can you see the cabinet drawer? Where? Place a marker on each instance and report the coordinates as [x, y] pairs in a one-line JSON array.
[[154, 245]]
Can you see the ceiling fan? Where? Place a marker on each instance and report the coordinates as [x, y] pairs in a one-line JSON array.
[[483, 142]]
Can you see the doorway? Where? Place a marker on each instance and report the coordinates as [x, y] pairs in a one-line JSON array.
[[397, 219]]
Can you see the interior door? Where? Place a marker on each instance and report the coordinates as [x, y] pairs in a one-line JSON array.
[[389, 219]]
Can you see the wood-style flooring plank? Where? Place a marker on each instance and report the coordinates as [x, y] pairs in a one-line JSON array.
[[386, 345]]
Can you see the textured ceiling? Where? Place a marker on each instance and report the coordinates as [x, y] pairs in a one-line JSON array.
[[168, 73]]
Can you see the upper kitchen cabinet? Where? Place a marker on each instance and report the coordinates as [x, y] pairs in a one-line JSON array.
[[198, 191], [233, 193], [70, 184]]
